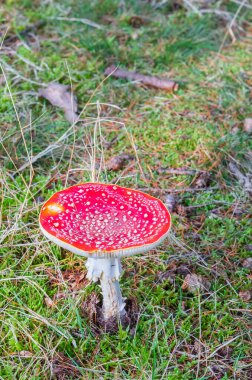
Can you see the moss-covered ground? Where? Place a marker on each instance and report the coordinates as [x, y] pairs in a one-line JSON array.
[[44, 331]]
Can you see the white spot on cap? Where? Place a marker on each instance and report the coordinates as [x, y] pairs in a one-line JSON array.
[[56, 224]]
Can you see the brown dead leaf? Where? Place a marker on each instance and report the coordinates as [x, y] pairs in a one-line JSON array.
[[225, 352], [181, 210], [248, 125], [218, 372], [173, 268], [62, 367], [183, 270], [137, 21], [91, 307], [60, 295], [245, 295], [75, 279], [49, 302], [92, 310], [200, 349], [58, 95], [202, 180], [119, 162], [168, 275], [194, 283]]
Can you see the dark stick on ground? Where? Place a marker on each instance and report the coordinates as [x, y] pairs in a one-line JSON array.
[[182, 190], [148, 80], [23, 33]]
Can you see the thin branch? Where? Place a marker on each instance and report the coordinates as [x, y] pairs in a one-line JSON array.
[[81, 20], [148, 80]]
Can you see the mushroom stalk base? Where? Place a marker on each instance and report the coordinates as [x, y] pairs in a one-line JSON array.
[[108, 271]]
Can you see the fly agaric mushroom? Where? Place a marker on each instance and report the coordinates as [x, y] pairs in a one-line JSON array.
[[104, 223]]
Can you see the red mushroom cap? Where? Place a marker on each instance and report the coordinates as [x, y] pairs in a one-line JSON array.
[[98, 220]]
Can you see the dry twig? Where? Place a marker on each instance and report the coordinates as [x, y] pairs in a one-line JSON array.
[[84, 21], [151, 81]]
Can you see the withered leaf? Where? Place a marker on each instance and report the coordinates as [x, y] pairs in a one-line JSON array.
[[119, 162], [200, 348], [202, 180], [181, 210], [194, 283], [245, 295], [75, 279], [137, 21], [49, 302], [63, 367], [58, 95], [91, 308]]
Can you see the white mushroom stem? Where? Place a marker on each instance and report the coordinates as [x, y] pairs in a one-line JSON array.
[[108, 271]]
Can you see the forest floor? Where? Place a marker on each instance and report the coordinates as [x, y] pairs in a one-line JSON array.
[[191, 148]]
